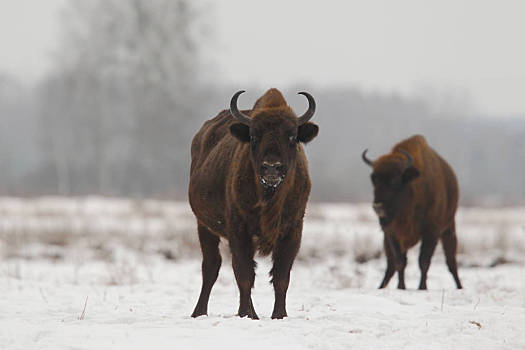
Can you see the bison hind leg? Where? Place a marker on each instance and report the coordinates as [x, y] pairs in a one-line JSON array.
[[401, 265], [428, 245], [450, 242], [211, 263]]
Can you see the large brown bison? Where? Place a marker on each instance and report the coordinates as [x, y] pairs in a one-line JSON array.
[[249, 184], [415, 198]]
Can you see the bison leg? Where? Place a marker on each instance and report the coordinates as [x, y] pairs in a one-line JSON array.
[[450, 242], [211, 262], [428, 245], [400, 266], [283, 256], [390, 266], [399, 259], [241, 246]]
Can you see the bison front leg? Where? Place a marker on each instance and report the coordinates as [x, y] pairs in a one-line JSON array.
[[399, 259], [390, 266], [242, 250], [283, 257]]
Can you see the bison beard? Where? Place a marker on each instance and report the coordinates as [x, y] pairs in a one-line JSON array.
[[415, 198], [249, 184]]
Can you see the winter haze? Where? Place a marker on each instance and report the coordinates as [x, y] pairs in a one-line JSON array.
[[105, 97]]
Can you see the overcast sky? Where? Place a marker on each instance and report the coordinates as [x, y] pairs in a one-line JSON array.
[[472, 48]]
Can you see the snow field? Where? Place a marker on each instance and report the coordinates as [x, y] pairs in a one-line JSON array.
[[138, 265]]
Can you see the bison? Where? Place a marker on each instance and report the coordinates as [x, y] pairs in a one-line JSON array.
[[415, 198], [249, 184]]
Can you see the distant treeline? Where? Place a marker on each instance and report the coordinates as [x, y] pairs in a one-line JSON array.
[[108, 147], [117, 113]]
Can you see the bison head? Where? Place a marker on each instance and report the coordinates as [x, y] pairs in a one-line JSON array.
[[390, 176], [273, 133]]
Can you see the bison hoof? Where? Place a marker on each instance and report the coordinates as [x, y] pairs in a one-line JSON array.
[[198, 313], [279, 315], [249, 313]]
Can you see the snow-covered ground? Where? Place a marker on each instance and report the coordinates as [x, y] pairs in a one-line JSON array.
[[135, 266]]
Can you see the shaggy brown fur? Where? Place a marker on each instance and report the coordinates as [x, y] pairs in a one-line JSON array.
[[415, 202], [230, 199]]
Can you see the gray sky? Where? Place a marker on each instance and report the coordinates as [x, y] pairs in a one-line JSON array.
[[469, 49], [28, 32]]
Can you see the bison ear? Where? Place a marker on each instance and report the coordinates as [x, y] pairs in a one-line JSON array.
[[306, 132], [410, 174], [241, 132]]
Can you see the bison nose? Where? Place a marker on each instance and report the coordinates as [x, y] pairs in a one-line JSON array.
[[272, 165], [271, 173], [272, 168], [379, 209]]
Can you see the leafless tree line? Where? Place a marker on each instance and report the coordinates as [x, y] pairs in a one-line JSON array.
[[117, 113]]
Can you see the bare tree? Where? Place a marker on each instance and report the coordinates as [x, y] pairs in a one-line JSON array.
[[123, 87]]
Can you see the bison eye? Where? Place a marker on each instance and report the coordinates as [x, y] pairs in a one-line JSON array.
[[292, 139]]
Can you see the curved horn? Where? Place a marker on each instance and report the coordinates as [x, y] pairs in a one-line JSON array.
[[311, 108], [365, 159], [240, 116], [409, 157]]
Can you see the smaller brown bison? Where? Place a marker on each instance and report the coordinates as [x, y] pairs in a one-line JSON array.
[[415, 198], [249, 185]]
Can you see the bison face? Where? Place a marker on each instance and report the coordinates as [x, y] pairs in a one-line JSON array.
[[273, 142], [390, 177], [273, 134]]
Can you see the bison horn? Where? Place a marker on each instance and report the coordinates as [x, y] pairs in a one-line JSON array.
[[311, 108], [409, 157], [365, 159], [240, 116]]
